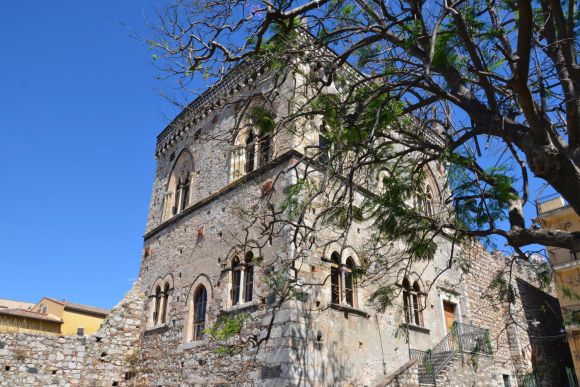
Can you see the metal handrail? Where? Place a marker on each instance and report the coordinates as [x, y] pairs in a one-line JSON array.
[[462, 338], [550, 203]]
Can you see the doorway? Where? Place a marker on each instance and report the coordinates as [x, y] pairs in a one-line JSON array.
[[449, 314]]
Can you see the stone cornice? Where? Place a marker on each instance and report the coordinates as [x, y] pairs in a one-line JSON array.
[[236, 79]]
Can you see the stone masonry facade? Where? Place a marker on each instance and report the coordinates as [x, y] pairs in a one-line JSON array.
[[196, 230]]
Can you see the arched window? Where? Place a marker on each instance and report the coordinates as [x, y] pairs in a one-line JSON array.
[[250, 152], [429, 210], [156, 310], [178, 193], [349, 284], [252, 149], [323, 145], [237, 270], [265, 146], [164, 303], [183, 195], [199, 313], [342, 281], [412, 302], [242, 283], [335, 285], [249, 280], [159, 300]]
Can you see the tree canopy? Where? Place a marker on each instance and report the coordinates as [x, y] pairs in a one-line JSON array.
[[487, 90]]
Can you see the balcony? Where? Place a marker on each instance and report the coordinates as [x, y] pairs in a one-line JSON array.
[[550, 203], [559, 256]]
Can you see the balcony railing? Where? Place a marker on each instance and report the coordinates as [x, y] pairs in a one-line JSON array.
[[559, 256], [550, 203]]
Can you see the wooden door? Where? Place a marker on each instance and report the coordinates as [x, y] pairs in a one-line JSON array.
[[449, 312]]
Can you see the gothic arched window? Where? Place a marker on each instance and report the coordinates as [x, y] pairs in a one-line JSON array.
[[199, 313], [164, 303], [178, 193], [335, 280], [323, 145], [253, 146], [237, 270], [156, 310], [249, 278], [429, 209], [349, 282], [412, 302], [242, 280], [250, 152], [265, 147], [342, 281]]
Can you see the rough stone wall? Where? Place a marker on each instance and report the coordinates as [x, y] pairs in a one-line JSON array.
[[113, 351], [41, 360], [511, 332], [167, 356], [472, 371], [98, 360], [405, 376]]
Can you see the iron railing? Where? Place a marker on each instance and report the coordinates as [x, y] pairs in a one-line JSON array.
[[462, 338], [550, 203]]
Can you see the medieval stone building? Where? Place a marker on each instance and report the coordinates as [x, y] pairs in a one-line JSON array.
[[203, 259], [206, 259]]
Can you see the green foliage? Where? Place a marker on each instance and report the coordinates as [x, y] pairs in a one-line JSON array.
[[504, 291], [225, 329], [263, 119], [383, 297], [284, 34], [294, 201], [444, 54]]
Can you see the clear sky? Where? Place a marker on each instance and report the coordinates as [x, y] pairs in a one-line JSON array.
[[79, 113]]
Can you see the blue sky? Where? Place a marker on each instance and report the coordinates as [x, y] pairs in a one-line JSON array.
[[79, 112]]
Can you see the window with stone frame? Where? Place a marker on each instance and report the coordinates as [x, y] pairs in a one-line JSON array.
[[179, 186], [252, 148], [165, 300], [429, 209], [157, 305], [159, 301], [412, 301], [242, 280], [323, 145], [342, 281], [425, 199], [199, 313]]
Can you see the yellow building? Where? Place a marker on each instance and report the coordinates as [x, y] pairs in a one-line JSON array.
[[53, 316], [555, 213]]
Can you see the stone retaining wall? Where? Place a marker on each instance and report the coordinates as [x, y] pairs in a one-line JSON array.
[[107, 358]]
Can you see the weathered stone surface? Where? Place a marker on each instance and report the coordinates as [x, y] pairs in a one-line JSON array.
[[45, 360]]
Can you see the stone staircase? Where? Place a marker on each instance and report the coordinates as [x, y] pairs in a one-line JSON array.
[[434, 363]]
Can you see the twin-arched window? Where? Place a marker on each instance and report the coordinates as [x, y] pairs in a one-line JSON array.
[[242, 280], [178, 192], [251, 151], [412, 302], [160, 301], [342, 281]]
